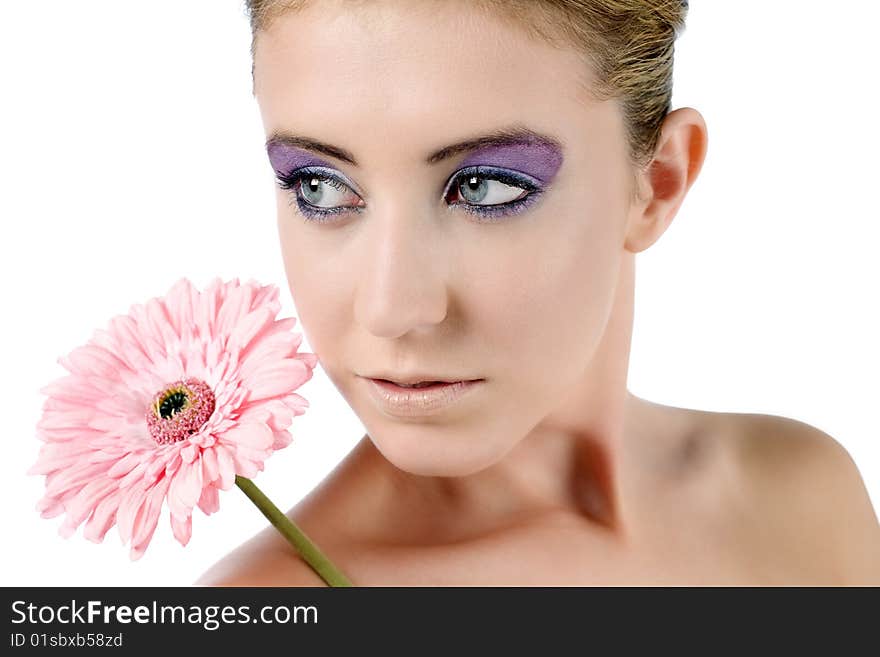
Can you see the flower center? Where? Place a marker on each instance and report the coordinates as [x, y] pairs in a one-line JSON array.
[[179, 410]]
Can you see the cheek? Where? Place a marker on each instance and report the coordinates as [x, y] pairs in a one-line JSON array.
[[545, 308], [317, 292]]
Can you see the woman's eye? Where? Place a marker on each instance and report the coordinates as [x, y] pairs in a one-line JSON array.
[[325, 193], [490, 193], [482, 190], [319, 194]]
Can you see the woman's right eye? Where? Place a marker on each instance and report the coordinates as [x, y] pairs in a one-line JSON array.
[[319, 194]]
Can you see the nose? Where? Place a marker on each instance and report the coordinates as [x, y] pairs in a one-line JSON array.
[[403, 286]]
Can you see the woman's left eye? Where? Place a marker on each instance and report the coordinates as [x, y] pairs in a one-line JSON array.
[[482, 191], [491, 192]]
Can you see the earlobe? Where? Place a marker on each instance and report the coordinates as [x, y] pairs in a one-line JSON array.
[[678, 158]]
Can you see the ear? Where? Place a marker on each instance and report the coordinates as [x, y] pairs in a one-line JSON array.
[[678, 158]]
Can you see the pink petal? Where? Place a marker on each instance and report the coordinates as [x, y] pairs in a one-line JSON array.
[[204, 439], [255, 453], [72, 479], [271, 348], [155, 469], [210, 468], [249, 327], [185, 489], [189, 453], [102, 518], [235, 306], [160, 324], [81, 434], [103, 454], [282, 415], [131, 502], [281, 440], [277, 379], [49, 507], [137, 551], [214, 351], [209, 502], [182, 528], [179, 302], [259, 412], [69, 390], [265, 295], [148, 515], [251, 434], [205, 311], [296, 403], [68, 420], [66, 529], [81, 505], [56, 455], [227, 468], [244, 467], [172, 466], [130, 349], [93, 360], [125, 465], [135, 476]]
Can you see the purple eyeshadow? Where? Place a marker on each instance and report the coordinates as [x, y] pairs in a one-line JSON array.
[[535, 158], [285, 159]]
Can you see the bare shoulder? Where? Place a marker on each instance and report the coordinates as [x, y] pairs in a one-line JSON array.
[[809, 495], [264, 560]]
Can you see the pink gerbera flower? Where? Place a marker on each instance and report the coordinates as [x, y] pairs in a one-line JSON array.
[[172, 402]]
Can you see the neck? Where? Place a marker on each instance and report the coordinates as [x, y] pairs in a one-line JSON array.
[[573, 461]]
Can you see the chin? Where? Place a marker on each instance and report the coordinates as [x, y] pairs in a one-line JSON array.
[[426, 469], [439, 460]]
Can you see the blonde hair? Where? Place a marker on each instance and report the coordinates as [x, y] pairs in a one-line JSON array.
[[628, 45]]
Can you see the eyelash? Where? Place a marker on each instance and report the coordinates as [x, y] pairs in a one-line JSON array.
[[290, 181]]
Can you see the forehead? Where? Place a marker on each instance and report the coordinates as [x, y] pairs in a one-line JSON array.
[[414, 72]]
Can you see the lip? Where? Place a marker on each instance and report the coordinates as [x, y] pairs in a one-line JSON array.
[[415, 402], [413, 377]]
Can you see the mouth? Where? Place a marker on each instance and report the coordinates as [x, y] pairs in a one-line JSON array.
[[421, 385], [418, 398]]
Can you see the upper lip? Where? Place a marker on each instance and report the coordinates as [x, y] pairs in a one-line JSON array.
[[410, 379]]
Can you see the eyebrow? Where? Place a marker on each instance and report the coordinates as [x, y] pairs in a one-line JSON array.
[[507, 136]]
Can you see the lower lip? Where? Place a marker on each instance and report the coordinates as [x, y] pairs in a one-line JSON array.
[[413, 402]]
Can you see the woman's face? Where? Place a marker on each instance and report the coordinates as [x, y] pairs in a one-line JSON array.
[[406, 277]]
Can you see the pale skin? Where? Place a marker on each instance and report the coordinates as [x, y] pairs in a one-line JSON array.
[[556, 474]]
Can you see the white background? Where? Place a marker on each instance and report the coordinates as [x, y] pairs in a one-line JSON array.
[[131, 154]]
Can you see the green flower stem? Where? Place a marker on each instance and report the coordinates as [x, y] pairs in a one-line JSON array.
[[309, 551]]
